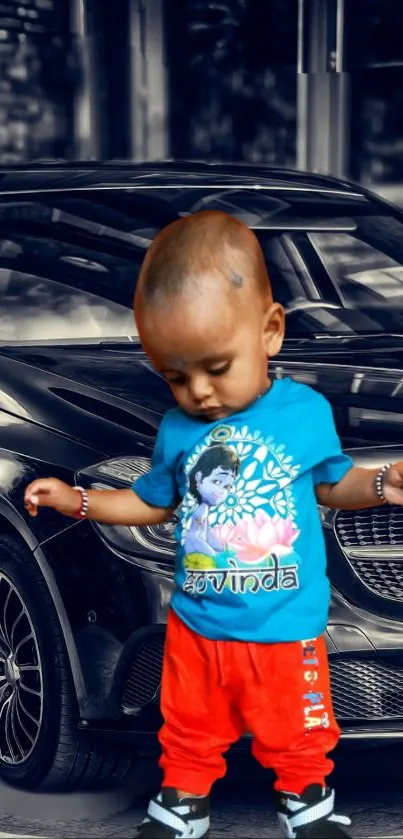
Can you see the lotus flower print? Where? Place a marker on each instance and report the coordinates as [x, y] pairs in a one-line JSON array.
[[256, 537]]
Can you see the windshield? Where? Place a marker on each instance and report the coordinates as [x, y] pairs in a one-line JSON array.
[[69, 262], [338, 282]]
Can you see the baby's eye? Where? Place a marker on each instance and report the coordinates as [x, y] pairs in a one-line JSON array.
[[219, 371], [179, 380]]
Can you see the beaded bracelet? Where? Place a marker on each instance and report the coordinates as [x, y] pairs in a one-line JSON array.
[[82, 512], [379, 482]]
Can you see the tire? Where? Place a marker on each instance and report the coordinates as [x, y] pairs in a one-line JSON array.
[[40, 704]]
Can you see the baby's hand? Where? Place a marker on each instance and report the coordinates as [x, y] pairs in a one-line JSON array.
[[393, 484], [50, 492]]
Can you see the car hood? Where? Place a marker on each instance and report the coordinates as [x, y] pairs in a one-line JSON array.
[[374, 457], [110, 398], [361, 377]]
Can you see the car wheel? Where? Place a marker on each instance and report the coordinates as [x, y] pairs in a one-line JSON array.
[[40, 744]]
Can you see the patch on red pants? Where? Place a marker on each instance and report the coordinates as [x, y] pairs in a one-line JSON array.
[[315, 713]]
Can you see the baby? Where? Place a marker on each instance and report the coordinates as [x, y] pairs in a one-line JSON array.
[[245, 460]]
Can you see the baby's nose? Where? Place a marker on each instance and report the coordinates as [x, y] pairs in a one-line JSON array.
[[200, 388]]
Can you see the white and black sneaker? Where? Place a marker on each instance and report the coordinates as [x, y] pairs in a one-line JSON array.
[[310, 815], [171, 817]]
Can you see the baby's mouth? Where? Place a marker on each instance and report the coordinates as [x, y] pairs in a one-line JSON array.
[[214, 413]]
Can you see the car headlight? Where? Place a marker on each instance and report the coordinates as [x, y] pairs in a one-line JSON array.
[[119, 473], [126, 470], [327, 516], [157, 538]]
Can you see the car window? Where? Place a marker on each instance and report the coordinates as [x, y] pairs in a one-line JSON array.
[[54, 291], [69, 260], [36, 309], [289, 277], [363, 274], [68, 268]]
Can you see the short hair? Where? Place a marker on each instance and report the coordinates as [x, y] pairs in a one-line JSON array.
[[207, 241]]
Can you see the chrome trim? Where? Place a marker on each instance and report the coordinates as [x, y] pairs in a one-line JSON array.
[[127, 186], [318, 250], [371, 734], [358, 416], [294, 255], [363, 734], [323, 366], [377, 552], [308, 226], [357, 380]]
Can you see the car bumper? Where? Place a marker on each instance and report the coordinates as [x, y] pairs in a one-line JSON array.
[[144, 735], [367, 688], [366, 665]]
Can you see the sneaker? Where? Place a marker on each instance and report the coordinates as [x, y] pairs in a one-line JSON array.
[[171, 817], [310, 815]]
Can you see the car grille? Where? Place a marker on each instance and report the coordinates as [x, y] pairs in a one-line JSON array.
[[384, 577], [363, 528], [361, 690], [366, 690], [381, 527], [143, 677]]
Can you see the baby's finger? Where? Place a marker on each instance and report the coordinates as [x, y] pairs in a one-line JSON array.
[[32, 509], [37, 493], [32, 499]]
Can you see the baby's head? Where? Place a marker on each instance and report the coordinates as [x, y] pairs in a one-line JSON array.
[[205, 313]]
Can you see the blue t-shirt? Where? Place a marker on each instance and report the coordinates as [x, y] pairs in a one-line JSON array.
[[251, 560]]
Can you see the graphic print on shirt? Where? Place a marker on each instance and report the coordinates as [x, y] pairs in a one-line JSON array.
[[238, 516]]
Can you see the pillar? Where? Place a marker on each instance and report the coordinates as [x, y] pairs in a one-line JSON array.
[[86, 123], [322, 88], [148, 99]]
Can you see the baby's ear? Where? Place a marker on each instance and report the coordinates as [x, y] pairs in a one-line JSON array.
[[274, 329]]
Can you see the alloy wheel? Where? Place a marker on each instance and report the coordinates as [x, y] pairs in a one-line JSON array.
[[21, 683]]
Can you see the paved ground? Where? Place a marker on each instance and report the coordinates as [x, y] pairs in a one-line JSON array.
[[369, 789]]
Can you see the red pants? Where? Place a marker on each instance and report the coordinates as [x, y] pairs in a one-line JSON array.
[[214, 691]]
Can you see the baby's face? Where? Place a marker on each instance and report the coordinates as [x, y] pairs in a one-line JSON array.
[[213, 349]]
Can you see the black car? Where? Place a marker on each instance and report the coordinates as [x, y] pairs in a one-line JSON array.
[[83, 606]]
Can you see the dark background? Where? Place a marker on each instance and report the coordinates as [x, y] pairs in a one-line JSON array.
[[225, 80]]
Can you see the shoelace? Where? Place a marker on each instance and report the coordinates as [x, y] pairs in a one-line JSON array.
[[169, 823], [169, 818], [339, 819], [315, 812]]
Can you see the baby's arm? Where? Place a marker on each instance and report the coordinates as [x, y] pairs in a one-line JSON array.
[[338, 484], [357, 490], [150, 500], [114, 506]]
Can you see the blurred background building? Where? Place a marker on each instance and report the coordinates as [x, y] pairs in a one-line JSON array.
[[316, 84]]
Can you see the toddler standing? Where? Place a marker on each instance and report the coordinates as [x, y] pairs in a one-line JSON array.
[[246, 460]]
